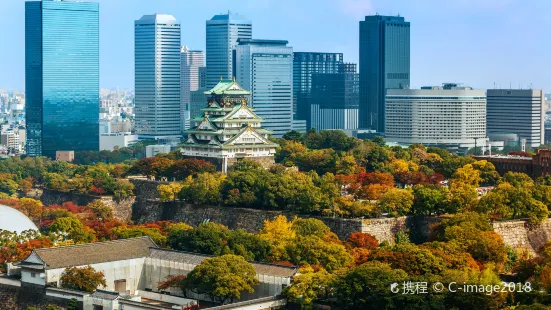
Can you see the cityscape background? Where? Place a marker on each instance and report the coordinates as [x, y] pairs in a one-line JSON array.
[[475, 42]]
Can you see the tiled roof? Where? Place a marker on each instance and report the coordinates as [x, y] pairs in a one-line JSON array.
[[227, 87], [196, 259], [95, 253]]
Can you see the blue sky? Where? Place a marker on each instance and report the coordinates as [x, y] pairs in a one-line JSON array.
[[476, 42]]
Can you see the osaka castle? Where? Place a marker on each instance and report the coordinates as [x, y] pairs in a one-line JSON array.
[[229, 130]]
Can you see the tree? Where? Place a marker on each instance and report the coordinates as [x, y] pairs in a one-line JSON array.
[[207, 238], [85, 279], [123, 232], [123, 189], [31, 208], [25, 185], [183, 168], [222, 278], [429, 199], [313, 250], [310, 227], [169, 192], [101, 211], [279, 233], [8, 186], [289, 152], [367, 286], [396, 201], [70, 228], [292, 135], [362, 240], [308, 286], [205, 189], [73, 304], [467, 175]]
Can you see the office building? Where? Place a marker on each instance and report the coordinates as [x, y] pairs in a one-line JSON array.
[[153, 150], [335, 98], [384, 64], [110, 141], [191, 62], [518, 111], [452, 116], [266, 68], [223, 32], [306, 64], [61, 76], [157, 77]]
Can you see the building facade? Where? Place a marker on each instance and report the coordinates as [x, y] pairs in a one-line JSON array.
[[229, 130], [266, 68], [451, 116], [384, 64], [223, 32], [519, 111], [335, 98], [157, 76], [61, 76], [191, 62], [305, 64]]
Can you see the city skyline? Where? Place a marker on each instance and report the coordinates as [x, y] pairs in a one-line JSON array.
[[438, 33]]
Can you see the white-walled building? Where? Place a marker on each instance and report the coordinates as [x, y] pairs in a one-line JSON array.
[[451, 116], [133, 269], [108, 142]]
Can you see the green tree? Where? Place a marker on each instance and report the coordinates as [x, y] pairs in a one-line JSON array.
[[292, 135], [313, 250], [101, 211], [123, 232], [396, 201], [368, 286], [8, 186], [205, 189], [123, 189], [85, 279], [429, 199], [207, 238], [223, 278], [308, 286]]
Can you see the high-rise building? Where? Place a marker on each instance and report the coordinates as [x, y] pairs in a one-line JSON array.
[[61, 76], [384, 64], [191, 62], [519, 111], [157, 76], [305, 64], [452, 116], [266, 68], [335, 99], [223, 31]]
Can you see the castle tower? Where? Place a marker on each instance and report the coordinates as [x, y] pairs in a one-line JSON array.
[[229, 130]]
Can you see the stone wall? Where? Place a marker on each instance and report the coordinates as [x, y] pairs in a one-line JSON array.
[[522, 235], [121, 209], [16, 298]]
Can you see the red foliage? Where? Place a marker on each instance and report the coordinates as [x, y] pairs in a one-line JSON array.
[[104, 229], [363, 240], [360, 255], [171, 281], [97, 190], [284, 263], [411, 178], [436, 178], [382, 178]]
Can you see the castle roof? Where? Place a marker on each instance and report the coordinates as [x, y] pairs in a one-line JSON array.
[[227, 87]]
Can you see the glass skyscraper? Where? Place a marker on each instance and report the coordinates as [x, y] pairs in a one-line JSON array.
[[335, 98], [305, 64], [266, 68], [61, 76], [384, 64], [223, 31], [191, 62], [157, 76]]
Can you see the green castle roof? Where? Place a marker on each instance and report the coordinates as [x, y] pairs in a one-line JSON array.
[[227, 87]]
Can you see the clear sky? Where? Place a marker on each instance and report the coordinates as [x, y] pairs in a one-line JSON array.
[[476, 42]]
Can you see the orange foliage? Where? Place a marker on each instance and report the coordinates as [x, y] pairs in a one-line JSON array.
[[360, 255], [363, 240], [373, 191], [381, 178]]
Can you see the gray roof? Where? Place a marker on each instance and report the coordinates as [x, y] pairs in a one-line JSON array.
[[93, 253], [196, 259]]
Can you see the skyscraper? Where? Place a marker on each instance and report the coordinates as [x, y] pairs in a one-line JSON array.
[[191, 62], [157, 76], [306, 64], [335, 99], [266, 68], [223, 31], [61, 76], [384, 64], [518, 111]]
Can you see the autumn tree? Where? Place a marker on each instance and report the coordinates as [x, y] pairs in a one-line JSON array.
[[223, 278], [85, 279], [308, 286], [100, 210], [362, 240], [181, 169], [25, 185], [279, 233], [396, 201], [31, 208], [169, 192]]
